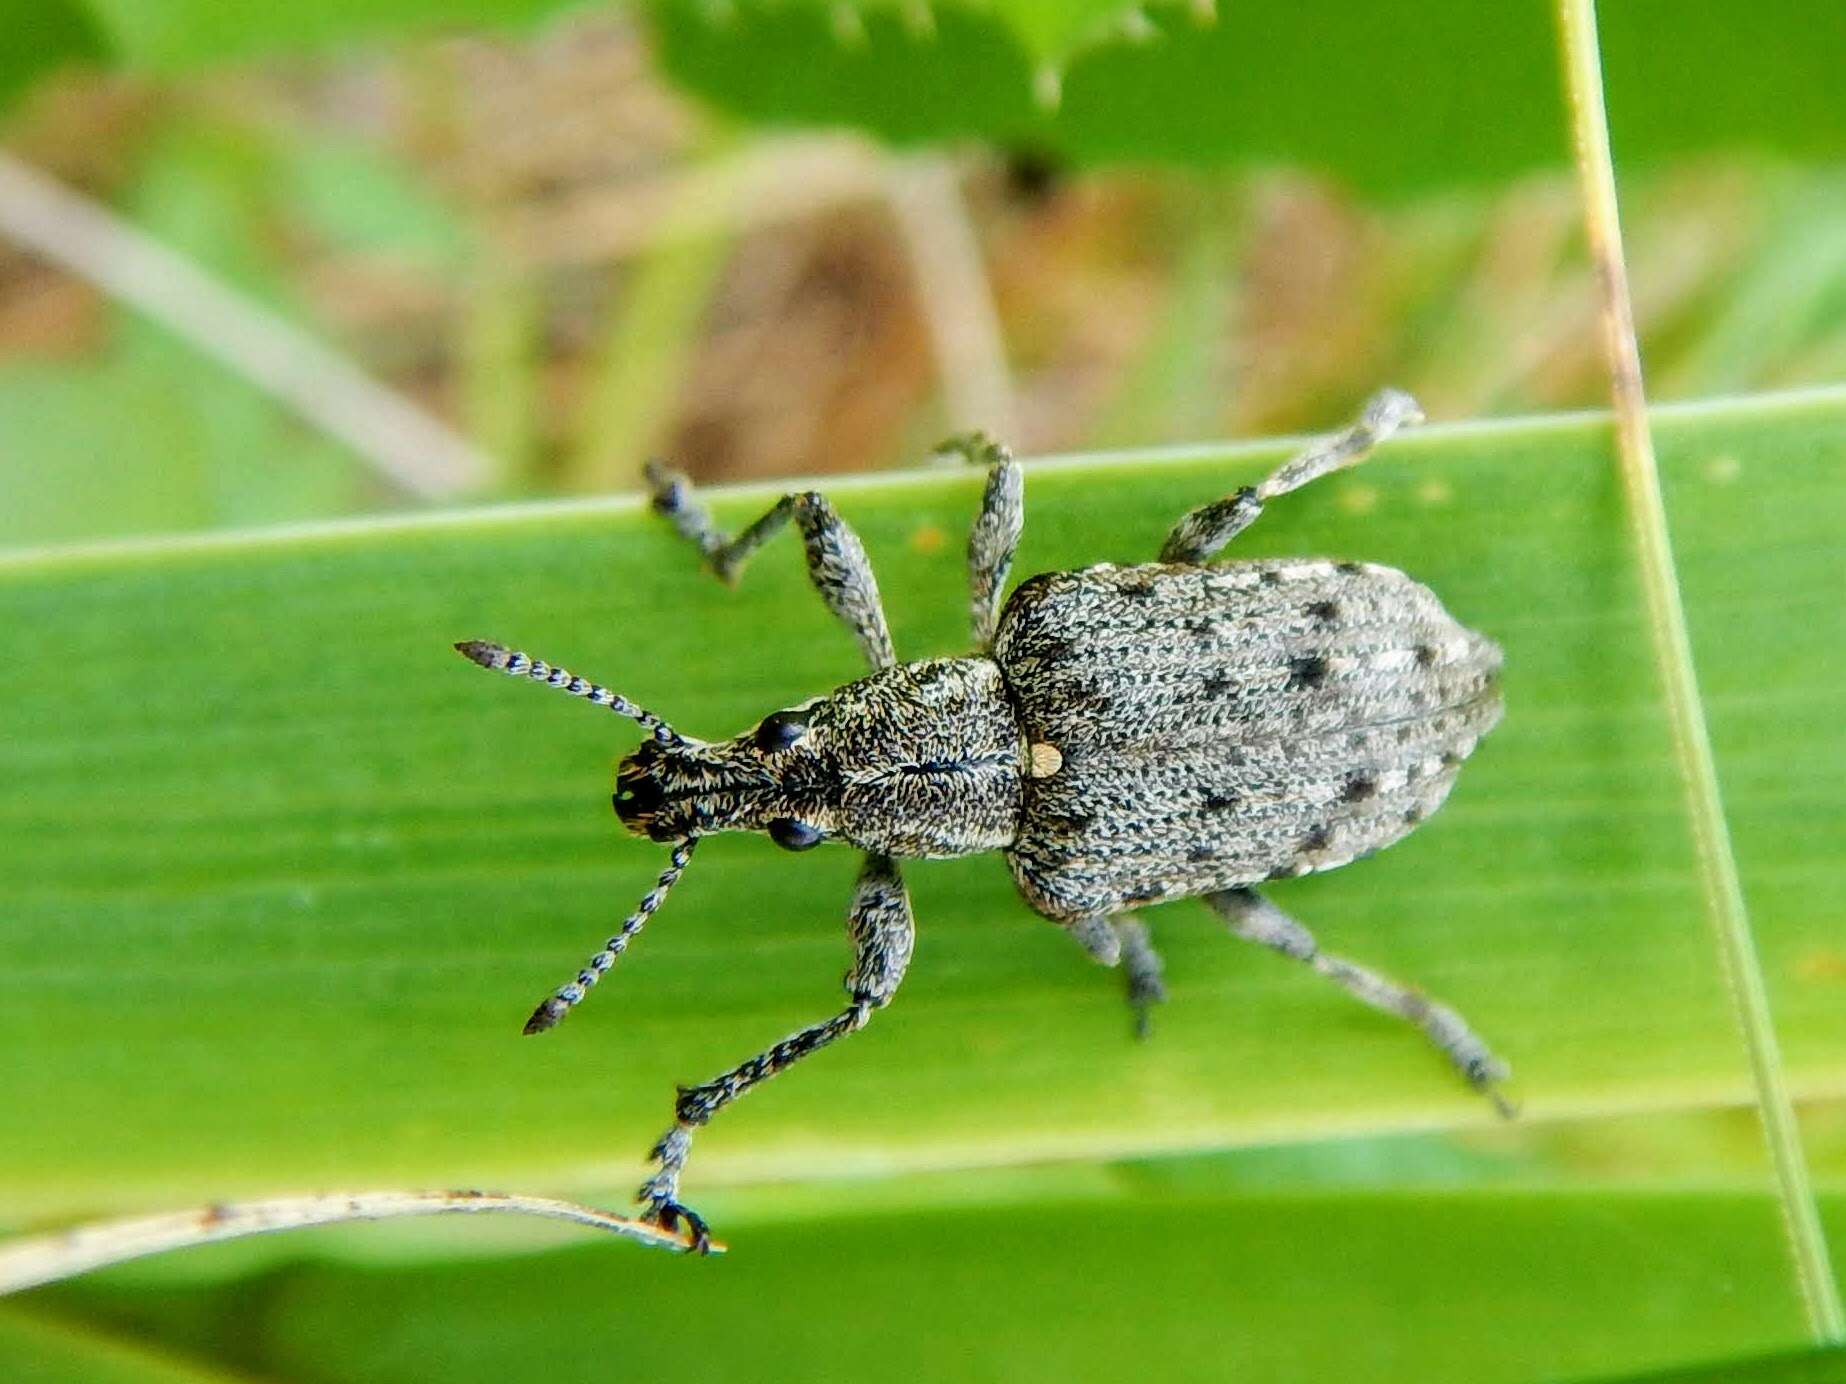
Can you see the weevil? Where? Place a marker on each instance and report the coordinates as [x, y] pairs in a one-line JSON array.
[[1124, 736]]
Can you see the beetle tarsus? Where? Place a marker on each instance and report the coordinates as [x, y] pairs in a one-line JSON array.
[[668, 1214]]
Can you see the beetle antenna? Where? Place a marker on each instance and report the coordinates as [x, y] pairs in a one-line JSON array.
[[517, 664], [557, 1005]]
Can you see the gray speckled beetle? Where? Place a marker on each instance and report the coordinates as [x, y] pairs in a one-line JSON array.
[[1125, 735]]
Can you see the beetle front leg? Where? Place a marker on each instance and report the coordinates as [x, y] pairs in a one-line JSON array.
[[1208, 528], [883, 935], [836, 558], [995, 535], [1255, 919]]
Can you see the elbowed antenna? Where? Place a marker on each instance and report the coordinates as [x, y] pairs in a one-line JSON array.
[[517, 664], [557, 1005]]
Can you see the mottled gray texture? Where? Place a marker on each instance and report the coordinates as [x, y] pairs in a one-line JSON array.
[[1124, 735], [1226, 725], [921, 760]]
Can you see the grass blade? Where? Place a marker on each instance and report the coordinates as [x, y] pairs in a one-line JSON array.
[[1673, 653]]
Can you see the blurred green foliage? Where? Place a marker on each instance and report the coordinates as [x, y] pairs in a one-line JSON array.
[[43, 36], [1391, 100]]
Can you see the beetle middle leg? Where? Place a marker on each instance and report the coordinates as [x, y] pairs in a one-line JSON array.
[[1141, 969], [1209, 527], [1255, 919], [836, 558], [883, 935], [1122, 941]]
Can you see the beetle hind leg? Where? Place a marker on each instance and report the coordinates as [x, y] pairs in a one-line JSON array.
[[1255, 919], [1203, 531]]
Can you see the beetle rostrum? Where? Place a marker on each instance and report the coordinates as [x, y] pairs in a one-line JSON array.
[[1123, 736]]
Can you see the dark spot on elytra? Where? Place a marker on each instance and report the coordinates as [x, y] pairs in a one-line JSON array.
[[1217, 685], [1426, 655], [1351, 569], [1140, 591], [1358, 788], [1220, 802], [1413, 815], [1326, 612], [1307, 670], [1199, 854], [1451, 760], [1317, 840], [1268, 578]]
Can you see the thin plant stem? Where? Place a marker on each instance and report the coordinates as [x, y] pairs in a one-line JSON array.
[[48, 1258], [1717, 861], [407, 447], [955, 296]]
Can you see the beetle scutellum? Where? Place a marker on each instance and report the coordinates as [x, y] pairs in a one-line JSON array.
[[1124, 735]]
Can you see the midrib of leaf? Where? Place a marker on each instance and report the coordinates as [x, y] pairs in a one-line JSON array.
[[1666, 619]]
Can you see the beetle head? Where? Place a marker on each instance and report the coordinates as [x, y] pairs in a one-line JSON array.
[[768, 779]]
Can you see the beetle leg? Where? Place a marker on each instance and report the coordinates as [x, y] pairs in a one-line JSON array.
[[1097, 937], [1141, 967], [836, 559], [1208, 528], [995, 536], [1255, 919], [883, 935]]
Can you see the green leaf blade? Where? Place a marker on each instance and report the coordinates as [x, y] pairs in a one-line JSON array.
[[284, 874]]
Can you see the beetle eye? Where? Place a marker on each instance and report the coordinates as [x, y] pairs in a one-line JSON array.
[[780, 730], [791, 835]]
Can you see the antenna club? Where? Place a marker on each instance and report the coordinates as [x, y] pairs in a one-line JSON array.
[[484, 652]]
